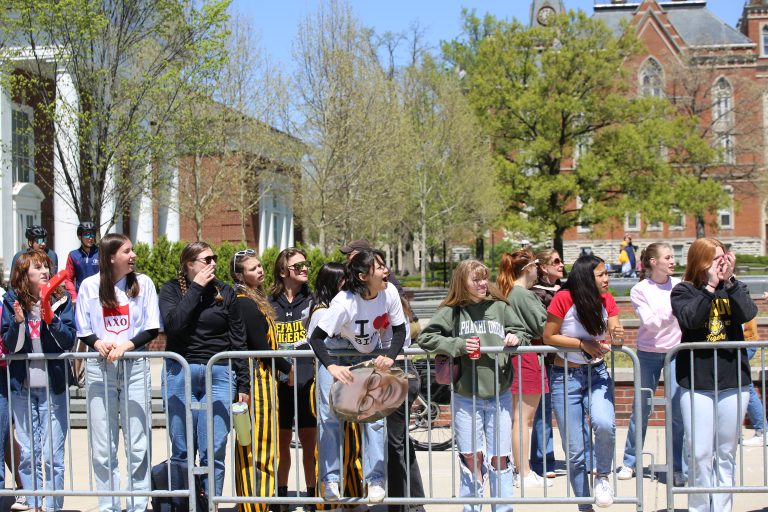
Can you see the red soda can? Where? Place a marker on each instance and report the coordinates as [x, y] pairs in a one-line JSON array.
[[476, 353]]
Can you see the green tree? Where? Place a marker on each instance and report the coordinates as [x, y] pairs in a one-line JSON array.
[[574, 144], [107, 74]]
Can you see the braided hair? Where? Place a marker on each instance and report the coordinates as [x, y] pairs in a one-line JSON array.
[[189, 254]]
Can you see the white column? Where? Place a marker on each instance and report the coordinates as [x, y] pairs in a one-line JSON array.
[[291, 241], [168, 205], [142, 221], [65, 161], [7, 242], [263, 222]]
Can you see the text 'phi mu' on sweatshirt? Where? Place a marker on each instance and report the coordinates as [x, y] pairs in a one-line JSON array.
[[713, 317], [489, 320]]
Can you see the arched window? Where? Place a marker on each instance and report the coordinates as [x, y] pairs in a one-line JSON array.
[[651, 79], [722, 118], [764, 40]]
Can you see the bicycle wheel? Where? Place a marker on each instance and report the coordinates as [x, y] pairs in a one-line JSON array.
[[429, 426]]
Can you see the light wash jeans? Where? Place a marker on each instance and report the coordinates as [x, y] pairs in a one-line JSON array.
[[120, 388], [589, 391], [331, 432], [4, 420], [482, 425], [755, 409], [41, 428], [651, 364], [223, 388], [712, 443]]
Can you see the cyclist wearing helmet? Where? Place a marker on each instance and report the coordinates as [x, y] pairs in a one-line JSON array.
[[37, 238], [84, 261]]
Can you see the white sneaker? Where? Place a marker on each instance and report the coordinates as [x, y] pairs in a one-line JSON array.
[[533, 480], [679, 479], [331, 491], [603, 492], [20, 504], [376, 493], [625, 473], [757, 440]]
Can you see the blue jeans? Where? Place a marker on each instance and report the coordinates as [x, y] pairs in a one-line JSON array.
[[589, 391], [4, 421], [41, 422], [755, 409], [331, 435], [223, 388], [541, 436], [119, 390], [651, 364], [481, 426]]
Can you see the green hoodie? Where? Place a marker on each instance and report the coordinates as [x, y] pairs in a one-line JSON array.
[[490, 321]]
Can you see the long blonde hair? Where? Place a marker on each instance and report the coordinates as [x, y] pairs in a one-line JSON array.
[[458, 293]]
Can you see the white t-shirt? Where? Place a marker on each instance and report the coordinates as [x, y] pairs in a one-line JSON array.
[[120, 324], [367, 324]]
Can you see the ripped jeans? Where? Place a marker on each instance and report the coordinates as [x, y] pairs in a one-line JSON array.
[[482, 426]]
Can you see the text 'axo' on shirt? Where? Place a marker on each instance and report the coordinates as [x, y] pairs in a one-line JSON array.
[[562, 307]]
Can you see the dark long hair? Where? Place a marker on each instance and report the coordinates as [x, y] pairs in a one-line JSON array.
[[327, 282], [281, 267], [190, 253], [108, 247], [361, 263], [586, 295]]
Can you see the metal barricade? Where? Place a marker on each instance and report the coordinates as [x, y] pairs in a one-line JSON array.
[[740, 486], [421, 416], [78, 478]]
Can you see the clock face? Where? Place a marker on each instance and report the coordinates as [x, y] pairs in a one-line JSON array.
[[545, 15]]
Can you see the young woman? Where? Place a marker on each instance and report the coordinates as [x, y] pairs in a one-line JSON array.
[[291, 299], [202, 318], [551, 269], [356, 319], [581, 316], [658, 333], [255, 463], [117, 312], [517, 274], [482, 414], [39, 391], [711, 305]]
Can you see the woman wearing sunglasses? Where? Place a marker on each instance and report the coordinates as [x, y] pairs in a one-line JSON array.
[[292, 301], [356, 320], [255, 463], [201, 319]]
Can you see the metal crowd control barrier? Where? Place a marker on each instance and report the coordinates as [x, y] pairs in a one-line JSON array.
[[687, 356], [73, 476], [433, 496]]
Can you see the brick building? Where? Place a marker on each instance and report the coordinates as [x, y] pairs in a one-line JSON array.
[[712, 70]]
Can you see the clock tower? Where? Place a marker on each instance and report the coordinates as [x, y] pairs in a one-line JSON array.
[[542, 11]]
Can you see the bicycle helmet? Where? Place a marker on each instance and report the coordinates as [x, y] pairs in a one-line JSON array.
[[86, 227], [36, 232]]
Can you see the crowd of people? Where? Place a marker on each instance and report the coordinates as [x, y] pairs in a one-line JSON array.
[[355, 313]]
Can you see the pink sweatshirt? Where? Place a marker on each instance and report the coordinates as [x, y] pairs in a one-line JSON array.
[[659, 330]]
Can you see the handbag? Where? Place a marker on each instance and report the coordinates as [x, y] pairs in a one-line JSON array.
[[448, 369]]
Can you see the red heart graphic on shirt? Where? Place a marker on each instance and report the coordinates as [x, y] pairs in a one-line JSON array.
[[381, 322]]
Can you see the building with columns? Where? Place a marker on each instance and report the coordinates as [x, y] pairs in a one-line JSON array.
[[733, 61], [34, 188]]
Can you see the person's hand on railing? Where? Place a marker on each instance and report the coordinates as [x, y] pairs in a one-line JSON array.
[[383, 363], [340, 373], [511, 340], [104, 347], [593, 348], [617, 336], [118, 350]]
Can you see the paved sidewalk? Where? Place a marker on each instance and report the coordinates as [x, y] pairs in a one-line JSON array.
[[442, 469]]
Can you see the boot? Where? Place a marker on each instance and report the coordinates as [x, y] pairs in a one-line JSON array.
[[280, 507], [502, 484], [310, 507]]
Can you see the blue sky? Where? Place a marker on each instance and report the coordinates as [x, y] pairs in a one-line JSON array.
[[276, 22]]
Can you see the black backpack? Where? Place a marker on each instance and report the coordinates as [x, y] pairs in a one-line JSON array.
[[178, 477]]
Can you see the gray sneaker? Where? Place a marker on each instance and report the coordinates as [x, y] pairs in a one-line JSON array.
[[20, 503]]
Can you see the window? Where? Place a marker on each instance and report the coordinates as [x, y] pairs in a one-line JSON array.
[[725, 215], [722, 120], [584, 225], [677, 252], [22, 145], [654, 226], [764, 38], [678, 220], [651, 79], [632, 221]]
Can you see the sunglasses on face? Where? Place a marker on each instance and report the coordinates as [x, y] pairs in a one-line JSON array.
[[298, 267], [208, 259], [241, 254], [41, 241], [89, 235], [556, 261]]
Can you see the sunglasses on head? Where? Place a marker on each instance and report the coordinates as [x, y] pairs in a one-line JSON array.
[[298, 267], [208, 259], [241, 254]]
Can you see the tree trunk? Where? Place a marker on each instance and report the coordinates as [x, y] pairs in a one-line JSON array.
[[557, 241], [700, 225]]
